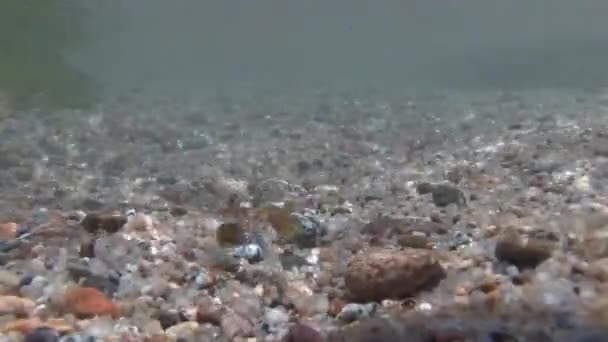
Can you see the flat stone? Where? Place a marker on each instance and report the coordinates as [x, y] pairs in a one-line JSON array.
[[379, 274]]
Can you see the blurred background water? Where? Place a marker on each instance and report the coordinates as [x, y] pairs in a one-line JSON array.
[[65, 47]]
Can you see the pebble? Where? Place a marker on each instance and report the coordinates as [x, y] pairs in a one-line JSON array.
[[86, 302], [230, 234], [9, 282], [300, 332], [378, 274], [96, 222], [8, 230], [251, 252], [17, 306], [353, 312], [523, 255], [42, 334], [275, 320], [234, 325], [186, 330], [308, 306]]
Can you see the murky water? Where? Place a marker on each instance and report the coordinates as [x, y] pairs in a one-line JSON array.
[[181, 47]]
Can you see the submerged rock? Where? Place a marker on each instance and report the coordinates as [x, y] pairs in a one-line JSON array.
[[96, 222], [380, 274], [302, 333], [527, 254]]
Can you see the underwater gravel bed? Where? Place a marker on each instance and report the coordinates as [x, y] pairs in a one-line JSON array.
[[317, 216]]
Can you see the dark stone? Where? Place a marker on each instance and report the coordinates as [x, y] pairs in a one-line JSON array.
[[302, 333], [424, 188], [42, 334], [444, 195], [94, 222], [168, 319], [178, 211], [528, 255], [87, 248]]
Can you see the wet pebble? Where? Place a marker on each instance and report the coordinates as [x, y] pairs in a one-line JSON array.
[[353, 312], [302, 333], [110, 223], [522, 254], [42, 334], [379, 274], [275, 320]]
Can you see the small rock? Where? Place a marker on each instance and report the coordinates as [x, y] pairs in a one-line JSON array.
[[335, 307], [230, 234], [522, 254], [444, 195], [87, 248], [178, 211], [302, 333], [379, 274], [275, 321], [234, 325], [251, 252], [168, 318], [42, 334], [211, 314], [185, 330], [308, 306], [110, 223], [424, 188], [354, 312], [8, 230], [17, 306], [9, 282], [414, 241], [86, 302]]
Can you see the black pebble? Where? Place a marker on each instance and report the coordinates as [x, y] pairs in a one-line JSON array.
[[42, 334]]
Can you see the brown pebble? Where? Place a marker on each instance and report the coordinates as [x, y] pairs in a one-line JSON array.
[[414, 241], [87, 248], [94, 222], [178, 211], [87, 302], [488, 284], [209, 314], [435, 217], [302, 333], [522, 255], [378, 274], [335, 306], [8, 230]]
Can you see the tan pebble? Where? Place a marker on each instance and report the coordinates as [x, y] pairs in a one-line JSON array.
[[18, 306], [462, 291], [327, 254], [23, 326], [9, 282], [8, 230], [139, 222]]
